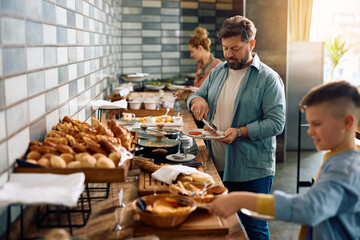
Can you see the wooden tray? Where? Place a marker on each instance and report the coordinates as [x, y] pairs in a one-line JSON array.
[[148, 185], [146, 112], [92, 175], [200, 222]]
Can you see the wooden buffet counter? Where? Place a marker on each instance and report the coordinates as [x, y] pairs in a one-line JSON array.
[[102, 218]]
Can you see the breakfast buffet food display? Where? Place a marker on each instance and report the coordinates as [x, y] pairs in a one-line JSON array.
[[78, 146]]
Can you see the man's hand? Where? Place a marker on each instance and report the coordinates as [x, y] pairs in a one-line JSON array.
[[199, 107], [231, 134]]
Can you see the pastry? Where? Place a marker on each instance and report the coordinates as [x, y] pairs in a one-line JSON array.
[[78, 156], [48, 149], [95, 148], [101, 128], [64, 149], [108, 146], [79, 148], [32, 161]]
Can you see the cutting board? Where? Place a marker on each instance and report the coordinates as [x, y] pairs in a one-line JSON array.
[[200, 222], [148, 185]]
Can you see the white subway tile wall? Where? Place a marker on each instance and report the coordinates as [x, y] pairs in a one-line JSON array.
[[56, 57]]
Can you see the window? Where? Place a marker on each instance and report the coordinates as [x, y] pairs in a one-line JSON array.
[[332, 18]]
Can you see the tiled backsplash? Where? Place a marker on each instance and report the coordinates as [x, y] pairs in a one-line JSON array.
[[58, 56]]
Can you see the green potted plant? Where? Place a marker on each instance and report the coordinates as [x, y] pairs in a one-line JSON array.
[[335, 51]]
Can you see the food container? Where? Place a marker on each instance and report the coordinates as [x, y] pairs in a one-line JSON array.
[[151, 103], [162, 221], [135, 104], [177, 119], [168, 102]]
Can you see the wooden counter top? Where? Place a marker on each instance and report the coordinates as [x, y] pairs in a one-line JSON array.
[[102, 220]]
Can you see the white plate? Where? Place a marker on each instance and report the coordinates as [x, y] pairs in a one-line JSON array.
[[154, 87], [256, 215], [189, 157], [186, 88], [171, 87], [205, 134], [133, 79]]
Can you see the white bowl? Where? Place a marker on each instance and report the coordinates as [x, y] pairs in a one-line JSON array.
[[150, 105], [135, 105]]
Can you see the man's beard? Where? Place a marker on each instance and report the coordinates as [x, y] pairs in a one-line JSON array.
[[238, 64]]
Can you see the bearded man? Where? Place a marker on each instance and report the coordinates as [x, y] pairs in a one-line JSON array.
[[244, 98]]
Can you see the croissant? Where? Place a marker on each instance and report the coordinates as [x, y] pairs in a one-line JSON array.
[[101, 128]]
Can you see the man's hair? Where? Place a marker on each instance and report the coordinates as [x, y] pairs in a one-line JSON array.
[[238, 26], [333, 93]]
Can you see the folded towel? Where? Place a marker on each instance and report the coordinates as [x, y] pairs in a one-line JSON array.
[[167, 174], [109, 105], [37, 188]]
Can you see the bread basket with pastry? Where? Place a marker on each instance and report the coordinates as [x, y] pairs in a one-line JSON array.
[[100, 150], [163, 210]]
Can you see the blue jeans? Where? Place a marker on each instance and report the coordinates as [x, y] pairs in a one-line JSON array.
[[255, 229]]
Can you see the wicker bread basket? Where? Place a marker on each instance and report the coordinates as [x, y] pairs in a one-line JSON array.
[[162, 221]]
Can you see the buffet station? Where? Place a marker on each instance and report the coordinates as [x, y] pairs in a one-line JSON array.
[[158, 175]]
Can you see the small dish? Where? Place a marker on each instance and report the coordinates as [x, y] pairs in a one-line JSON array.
[[179, 157]]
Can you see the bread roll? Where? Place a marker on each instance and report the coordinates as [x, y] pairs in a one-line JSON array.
[[105, 162], [57, 162], [88, 161], [32, 161], [79, 156], [33, 155], [98, 155], [115, 157], [68, 157], [47, 155], [146, 164], [79, 148], [74, 164], [36, 148], [44, 162]]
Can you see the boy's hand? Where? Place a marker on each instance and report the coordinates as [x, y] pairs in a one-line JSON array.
[[225, 206]]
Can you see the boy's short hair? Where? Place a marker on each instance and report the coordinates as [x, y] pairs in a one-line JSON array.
[[333, 92]]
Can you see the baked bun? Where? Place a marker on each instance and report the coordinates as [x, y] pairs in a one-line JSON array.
[[44, 162], [33, 155], [115, 157], [47, 155], [32, 161], [98, 155], [88, 161], [79, 156], [105, 162], [74, 164], [57, 162], [68, 157]]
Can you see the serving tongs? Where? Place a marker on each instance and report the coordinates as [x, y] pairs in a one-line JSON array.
[[209, 124]]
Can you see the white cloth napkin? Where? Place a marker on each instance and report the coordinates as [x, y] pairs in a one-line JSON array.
[[167, 174], [109, 105], [37, 188]]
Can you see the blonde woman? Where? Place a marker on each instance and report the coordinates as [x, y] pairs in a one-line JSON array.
[[199, 47]]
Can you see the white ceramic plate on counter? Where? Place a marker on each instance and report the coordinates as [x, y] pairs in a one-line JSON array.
[[179, 157], [154, 87], [202, 134], [186, 88]]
